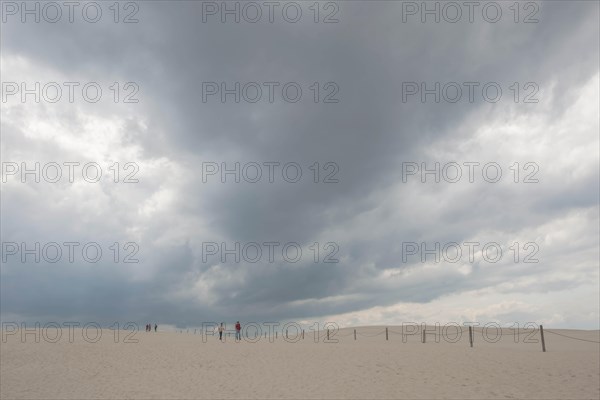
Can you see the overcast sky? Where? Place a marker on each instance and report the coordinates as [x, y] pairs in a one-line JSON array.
[[369, 131]]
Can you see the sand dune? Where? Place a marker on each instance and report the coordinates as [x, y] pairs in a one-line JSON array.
[[174, 365]]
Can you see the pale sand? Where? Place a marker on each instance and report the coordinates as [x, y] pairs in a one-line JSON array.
[[174, 365]]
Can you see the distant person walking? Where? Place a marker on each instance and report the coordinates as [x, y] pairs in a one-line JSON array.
[[221, 330], [155, 327], [238, 331]]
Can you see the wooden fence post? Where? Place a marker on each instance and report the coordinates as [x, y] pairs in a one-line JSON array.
[[355, 334], [423, 340], [543, 341], [327, 334], [386, 333], [302, 334], [286, 334], [471, 335]]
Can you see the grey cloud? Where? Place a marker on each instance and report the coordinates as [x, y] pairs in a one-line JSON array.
[[369, 133]]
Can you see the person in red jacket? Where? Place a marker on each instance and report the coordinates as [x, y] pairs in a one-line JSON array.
[[238, 331]]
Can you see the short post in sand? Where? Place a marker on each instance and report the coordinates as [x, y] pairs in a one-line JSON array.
[[355, 334], [543, 341], [327, 334], [386, 333], [302, 334], [286, 334], [423, 339], [471, 335], [275, 335]]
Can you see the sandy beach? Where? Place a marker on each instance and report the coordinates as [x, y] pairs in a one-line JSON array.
[[170, 365]]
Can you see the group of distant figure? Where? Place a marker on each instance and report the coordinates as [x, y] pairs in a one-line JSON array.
[[238, 331]]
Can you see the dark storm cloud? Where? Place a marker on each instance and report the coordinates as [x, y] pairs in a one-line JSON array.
[[368, 134]]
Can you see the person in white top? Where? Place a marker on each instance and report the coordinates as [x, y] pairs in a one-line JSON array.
[[221, 330]]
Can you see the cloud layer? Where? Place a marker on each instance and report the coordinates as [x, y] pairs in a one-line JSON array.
[[369, 142]]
